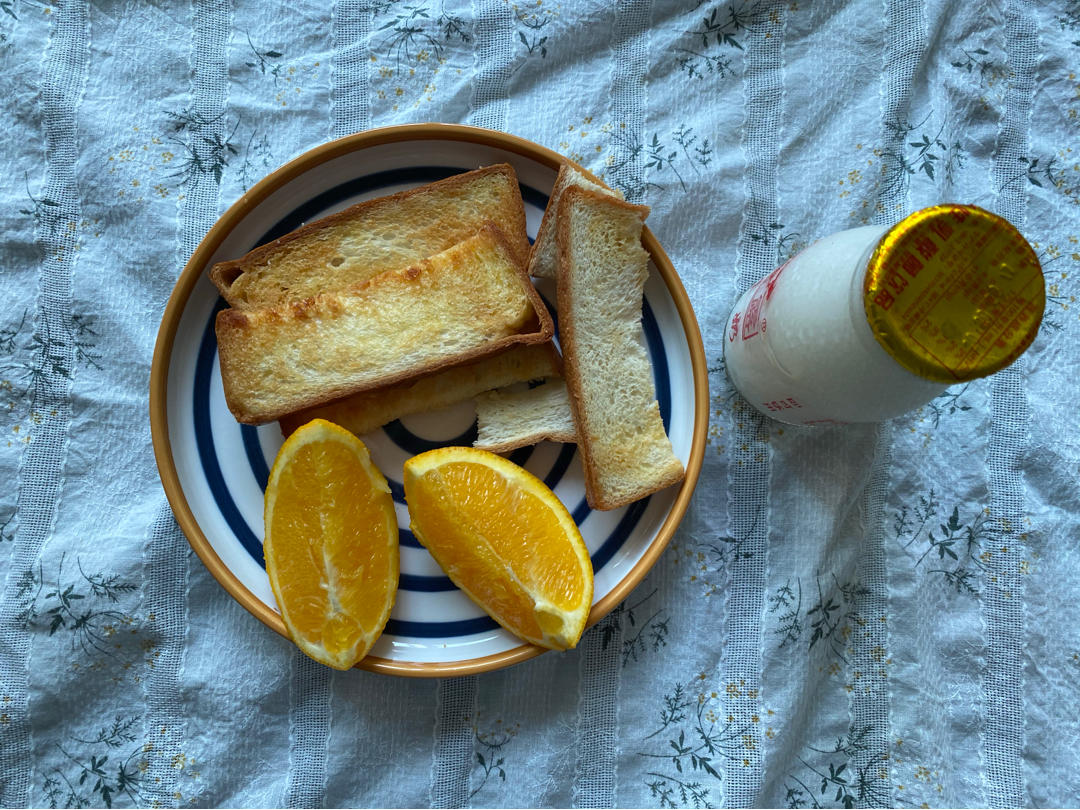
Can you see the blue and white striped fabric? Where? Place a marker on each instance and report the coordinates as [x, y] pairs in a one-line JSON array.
[[858, 616]]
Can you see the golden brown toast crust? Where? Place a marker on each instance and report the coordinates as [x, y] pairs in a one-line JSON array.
[[569, 338], [369, 410], [296, 355], [401, 229], [525, 441], [540, 254]]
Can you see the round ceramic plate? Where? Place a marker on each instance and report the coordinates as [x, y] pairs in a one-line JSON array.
[[214, 470]]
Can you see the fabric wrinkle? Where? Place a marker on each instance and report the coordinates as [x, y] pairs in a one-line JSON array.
[[40, 481]]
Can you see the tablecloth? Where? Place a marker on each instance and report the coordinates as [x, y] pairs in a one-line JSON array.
[[850, 616]]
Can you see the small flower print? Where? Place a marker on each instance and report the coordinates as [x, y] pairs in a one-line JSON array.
[[645, 628], [411, 37], [709, 47], [786, 603], [206, 153], [1069, 18], [1060, 280], [921, 153], [7, 534], [84, 607], [267, 60], [489, 750], [673, 155], [684, 768], [95, 776], [532, 21], [787, 242], [959, 548], [948, 403], [825, 776], [46, 352]]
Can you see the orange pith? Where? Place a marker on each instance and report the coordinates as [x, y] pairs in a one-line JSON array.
[[331, 544], [505, 539]]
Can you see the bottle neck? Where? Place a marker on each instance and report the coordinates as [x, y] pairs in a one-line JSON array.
[[857, 304]]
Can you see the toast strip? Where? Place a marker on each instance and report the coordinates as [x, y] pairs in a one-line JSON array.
[[602, 271], [544, 256], [369, 410], [468, 302], [509, 419], [342, 250]]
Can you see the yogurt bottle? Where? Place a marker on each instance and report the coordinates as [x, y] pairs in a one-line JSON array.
[[869, 323]]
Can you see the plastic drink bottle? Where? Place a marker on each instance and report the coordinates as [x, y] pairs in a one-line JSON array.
[[869, 323]]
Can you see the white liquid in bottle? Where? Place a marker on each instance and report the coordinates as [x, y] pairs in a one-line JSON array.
[[872, 322]]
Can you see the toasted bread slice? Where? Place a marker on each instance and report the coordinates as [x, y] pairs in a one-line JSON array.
[[389, 233], [517, 417], [361, 413], [468, 302], [602, 271], [544, 256]]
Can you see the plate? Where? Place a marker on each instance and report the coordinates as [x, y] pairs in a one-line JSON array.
[[214, 470]]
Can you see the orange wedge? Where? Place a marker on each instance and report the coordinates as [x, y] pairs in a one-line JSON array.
[[331, 543], [504, 538]]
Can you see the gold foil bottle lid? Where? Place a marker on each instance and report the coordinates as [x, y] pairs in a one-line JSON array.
[[953, 293]]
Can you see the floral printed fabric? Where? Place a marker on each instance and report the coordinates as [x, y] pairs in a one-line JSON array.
[[859, 616]]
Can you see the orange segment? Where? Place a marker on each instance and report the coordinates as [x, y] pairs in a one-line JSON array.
[[331, 543], [504, 538]]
